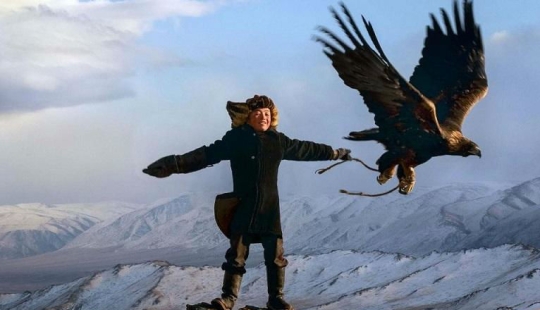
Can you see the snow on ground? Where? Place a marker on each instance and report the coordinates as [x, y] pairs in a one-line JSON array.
[[506, 276]]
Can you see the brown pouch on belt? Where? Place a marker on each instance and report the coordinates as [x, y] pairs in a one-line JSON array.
[[224, 209]]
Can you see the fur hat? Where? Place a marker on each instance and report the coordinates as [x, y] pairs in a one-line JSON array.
[[239, 111]]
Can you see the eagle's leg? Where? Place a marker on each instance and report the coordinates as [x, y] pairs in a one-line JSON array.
[[407, 179], [386, 175], [387, 166]]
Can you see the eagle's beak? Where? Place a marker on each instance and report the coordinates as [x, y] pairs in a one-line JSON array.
[[475, 151]]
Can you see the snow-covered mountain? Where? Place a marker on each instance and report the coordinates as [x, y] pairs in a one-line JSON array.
[[450, 218], [454, 247], [186, 221], [31, 229], [456, 217], [461, 216], [506, 277]]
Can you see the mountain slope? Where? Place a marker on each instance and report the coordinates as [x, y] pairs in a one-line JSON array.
[[506, 276], [460, 216], [183, 231], [180, 221], [31, 229], [452, 218]]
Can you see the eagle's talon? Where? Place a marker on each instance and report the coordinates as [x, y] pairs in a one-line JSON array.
[[406, 185], [381, 179], [404, 191]]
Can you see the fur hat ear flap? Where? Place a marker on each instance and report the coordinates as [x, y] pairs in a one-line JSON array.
[[275, 117], [239, 111]]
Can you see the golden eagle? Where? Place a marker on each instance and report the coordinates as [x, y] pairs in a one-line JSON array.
[[422, 118]]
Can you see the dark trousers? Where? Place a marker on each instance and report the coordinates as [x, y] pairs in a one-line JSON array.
[[238, 252]]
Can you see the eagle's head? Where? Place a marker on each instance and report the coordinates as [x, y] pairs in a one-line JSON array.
[[459, 145], [469, 148]]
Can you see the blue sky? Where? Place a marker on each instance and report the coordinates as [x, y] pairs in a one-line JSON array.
[[92, 92]]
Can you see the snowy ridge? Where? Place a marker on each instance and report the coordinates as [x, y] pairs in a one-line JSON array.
[[446, 219], [451, 218], [31, 229], [506, 276], [158, 226], [461, 216]]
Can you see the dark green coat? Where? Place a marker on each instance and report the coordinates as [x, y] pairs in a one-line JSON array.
[[255, 159]]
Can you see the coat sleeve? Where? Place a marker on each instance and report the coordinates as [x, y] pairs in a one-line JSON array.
[[205, 156], [304, 150], [221, 149]]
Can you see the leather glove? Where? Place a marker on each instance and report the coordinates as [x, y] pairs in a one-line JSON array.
[[162, 167], [343, 154]]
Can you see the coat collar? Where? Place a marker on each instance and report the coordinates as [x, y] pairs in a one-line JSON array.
[[248, 128]]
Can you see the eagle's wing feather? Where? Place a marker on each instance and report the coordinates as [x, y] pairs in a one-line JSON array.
[[451, 71], [397, 105]]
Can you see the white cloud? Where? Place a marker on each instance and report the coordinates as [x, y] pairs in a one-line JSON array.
[[499, 36], [526, 37], [64, 53]]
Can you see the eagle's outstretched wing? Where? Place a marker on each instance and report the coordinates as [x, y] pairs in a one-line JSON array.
[[451, 71], [397, 105]]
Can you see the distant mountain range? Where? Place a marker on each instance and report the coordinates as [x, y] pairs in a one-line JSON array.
[[461, 216], [449, 231], [32, 229]]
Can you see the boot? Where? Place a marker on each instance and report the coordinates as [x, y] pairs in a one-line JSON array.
[[231, 289], [275, 278]]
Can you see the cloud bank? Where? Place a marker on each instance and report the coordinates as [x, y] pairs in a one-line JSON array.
[[66, 53]]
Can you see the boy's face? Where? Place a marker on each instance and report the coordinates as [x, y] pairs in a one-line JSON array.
[[260, 119]]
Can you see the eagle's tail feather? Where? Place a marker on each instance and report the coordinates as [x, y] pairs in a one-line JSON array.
[[364, 135]]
